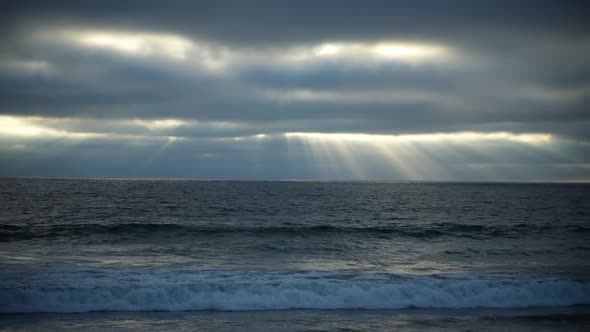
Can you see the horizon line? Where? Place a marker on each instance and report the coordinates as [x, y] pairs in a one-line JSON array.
[[583, 181]]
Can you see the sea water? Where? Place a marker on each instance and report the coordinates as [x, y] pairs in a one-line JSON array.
[[292, 255]]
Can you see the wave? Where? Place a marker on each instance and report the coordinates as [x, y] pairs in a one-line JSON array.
[[184, 291], [15, 233]]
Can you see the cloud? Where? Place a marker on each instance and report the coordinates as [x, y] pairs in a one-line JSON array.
[[236, 77]]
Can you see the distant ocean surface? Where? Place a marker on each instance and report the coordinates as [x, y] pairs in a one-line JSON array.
[[292, 255]]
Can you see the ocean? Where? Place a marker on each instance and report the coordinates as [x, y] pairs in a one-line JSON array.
[[118, 254]]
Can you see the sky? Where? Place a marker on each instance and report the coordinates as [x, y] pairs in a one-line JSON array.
[[331, 90]]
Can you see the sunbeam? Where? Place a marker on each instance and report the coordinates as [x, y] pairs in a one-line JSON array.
[[415, 156], [168, 142]]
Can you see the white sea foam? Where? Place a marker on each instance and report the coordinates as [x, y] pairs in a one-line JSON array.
[[205, 291]]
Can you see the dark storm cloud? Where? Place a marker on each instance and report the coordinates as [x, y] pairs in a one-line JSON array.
[[514, 66], [276, 21]]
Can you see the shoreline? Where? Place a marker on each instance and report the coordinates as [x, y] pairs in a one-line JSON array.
[[538, 319]]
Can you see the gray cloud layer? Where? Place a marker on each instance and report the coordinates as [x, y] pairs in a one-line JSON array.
[[243, 68]]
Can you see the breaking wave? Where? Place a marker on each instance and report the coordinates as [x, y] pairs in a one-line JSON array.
[[182, 291]]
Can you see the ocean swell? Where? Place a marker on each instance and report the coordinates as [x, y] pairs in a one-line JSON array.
[[9, 233]]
